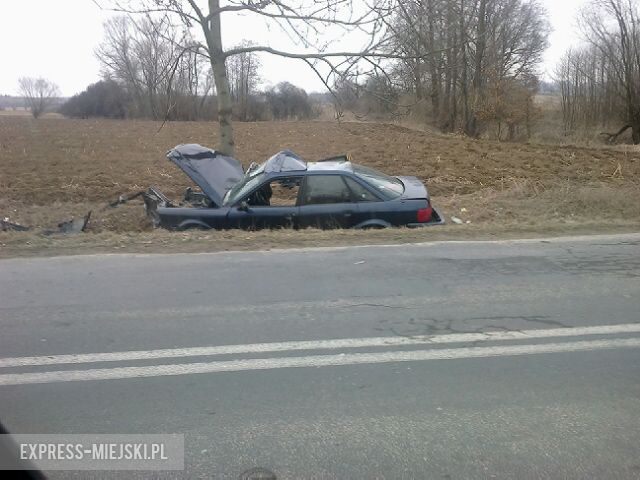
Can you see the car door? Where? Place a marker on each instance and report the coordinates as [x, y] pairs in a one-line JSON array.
[[369, 205], [326, 202], [273, 204]]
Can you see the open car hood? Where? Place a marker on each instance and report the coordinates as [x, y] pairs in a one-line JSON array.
[[212, 171]]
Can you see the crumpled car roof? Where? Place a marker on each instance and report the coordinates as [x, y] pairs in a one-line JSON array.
[[285, 161]]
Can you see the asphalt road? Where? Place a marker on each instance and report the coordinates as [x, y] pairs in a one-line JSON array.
[[514, 359]]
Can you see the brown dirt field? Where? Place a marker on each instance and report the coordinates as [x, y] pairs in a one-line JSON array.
[[54, 168]]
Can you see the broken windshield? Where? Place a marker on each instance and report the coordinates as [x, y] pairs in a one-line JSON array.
[[251, 180]]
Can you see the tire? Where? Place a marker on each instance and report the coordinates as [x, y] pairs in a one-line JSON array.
[[373, 226]]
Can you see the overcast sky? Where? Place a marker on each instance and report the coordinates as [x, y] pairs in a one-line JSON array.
[[56, 40]]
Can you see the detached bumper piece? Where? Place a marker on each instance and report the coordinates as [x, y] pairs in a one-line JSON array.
[[7, 226], [77, 225]]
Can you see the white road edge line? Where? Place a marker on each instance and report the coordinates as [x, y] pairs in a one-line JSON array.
[[311, 361], [319, 345]]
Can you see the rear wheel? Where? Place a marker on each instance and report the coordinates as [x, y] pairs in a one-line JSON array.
[[373, 226]]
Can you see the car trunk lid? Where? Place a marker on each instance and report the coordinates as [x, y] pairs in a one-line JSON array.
[[413, 188], [212, 171]]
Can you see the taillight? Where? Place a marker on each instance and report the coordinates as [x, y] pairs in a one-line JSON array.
[[424, 214]]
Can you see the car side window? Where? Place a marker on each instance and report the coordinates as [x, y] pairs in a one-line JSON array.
[[325, 189], [279, 192], [360, 192]]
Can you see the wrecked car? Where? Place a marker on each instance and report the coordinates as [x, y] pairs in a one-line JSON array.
[[286, 191]]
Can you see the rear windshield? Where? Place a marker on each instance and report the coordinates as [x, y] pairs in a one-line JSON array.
[[389, 187]]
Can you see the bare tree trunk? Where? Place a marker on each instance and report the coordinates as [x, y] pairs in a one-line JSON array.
[[226, 143], [453, 116], [472, 123], [418, 82], [433, 71], [464, 66], [447, 116]]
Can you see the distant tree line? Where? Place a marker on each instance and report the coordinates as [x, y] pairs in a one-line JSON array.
[[105, 98], [12, 102], [153, 70]]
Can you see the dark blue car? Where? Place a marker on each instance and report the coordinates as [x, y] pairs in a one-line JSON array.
[[286, 191]]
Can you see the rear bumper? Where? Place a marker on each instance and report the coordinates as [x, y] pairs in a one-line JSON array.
[[436, 219]]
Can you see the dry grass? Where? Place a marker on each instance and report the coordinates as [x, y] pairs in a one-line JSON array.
[[71, 160], [52, 169]]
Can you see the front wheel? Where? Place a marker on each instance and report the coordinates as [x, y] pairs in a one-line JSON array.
[[193, 226]]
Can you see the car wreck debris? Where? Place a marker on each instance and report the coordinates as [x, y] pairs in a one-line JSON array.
[[77, 225], [7, 226], [69, 226], [125, 198]]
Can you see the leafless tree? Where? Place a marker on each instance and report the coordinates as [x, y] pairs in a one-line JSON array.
[[159, 65], [192, 85], [509, 103], [304, 21], [39, 94], [602, 81], [478, 47], [141, 55], [589, 96], [243, 73]]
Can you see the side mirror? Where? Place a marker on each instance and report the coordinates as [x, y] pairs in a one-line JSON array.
[[243, 207]]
